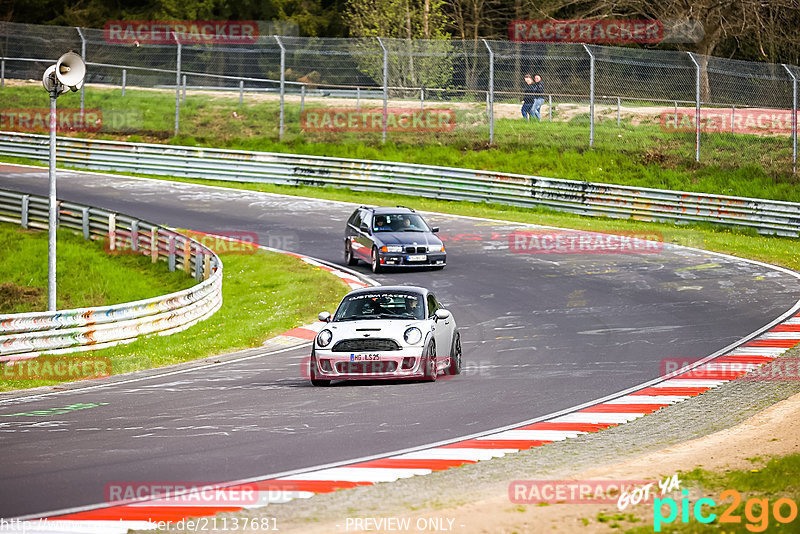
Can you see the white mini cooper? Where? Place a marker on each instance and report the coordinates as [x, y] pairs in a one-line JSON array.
[[390, 332]]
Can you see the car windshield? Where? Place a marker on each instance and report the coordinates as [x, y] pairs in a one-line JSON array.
[[381, 305], [399, 222]]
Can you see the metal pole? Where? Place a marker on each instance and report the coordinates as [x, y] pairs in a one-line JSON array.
[[490, 94], [83, 55], [124, 80], [183, 89], [241, 92], [550, 108], [794, 118], [591, 95], [422, 99], [2, 73], [358, 100], [52, 219], [676, 115], [302, 98], [733, 116], [283, 83], [697, 108], [385, 86], [618, 106], [177, 86]]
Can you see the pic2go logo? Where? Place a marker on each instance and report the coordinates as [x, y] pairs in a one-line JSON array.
[[756, 511]]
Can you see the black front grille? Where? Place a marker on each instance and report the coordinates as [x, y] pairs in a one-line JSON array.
[[365, 368], [416, 250], [366, 344]]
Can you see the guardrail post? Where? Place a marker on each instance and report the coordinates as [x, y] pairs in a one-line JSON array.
[[697, 107], [591, 95], [23, 218], [490, 93], [87, 231], [794, 118], [135, 235], [241, 92], [171, 253], [83, 55], [206, 266], [112, 231], [187, 255], [124, 80], [153, 244], [302, 98], [385, 86], [283, 83], [177, 85], [198, 264]]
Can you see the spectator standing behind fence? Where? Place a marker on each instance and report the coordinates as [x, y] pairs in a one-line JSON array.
[[538, 92], [528, 98]]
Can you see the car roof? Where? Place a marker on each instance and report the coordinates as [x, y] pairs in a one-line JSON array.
[[379, 210], [387, 289]]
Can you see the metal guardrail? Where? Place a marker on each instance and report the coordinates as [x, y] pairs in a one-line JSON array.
[[26, 335], [585, 198]]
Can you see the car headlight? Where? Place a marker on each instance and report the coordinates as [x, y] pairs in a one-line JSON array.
[[324, 338], [413, 335], [392, 248], [435, 248]]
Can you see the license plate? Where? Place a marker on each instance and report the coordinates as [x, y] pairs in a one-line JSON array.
[[364, 357], [417, 257]]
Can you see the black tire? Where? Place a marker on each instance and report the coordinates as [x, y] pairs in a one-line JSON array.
[[348, 255], [318, 382], [429, 363], [376, 261], [455, 357]]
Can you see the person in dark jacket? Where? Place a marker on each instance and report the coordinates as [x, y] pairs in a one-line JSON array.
[[528, 98]]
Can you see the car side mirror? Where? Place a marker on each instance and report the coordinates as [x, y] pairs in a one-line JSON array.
[[441, 313], [364, 228], [435, 229], [325, 317]]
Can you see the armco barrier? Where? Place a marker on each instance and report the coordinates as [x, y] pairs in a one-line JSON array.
[[585, 198], [26, 335]]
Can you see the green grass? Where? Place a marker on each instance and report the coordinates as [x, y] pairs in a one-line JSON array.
[[778, 478], [264, 294], [86, 274], [640, 155]]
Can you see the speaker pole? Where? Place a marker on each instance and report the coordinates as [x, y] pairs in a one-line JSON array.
[[52, 223]]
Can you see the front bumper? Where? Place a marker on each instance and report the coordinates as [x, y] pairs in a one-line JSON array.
[[402, 259], [389, 365]]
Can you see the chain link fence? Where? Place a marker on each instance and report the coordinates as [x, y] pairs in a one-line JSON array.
[[664, 107]]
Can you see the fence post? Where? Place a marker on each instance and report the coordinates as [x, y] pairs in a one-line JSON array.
[[83, 56], [124, 80], [241, 92], [794, 118], [697, 106], [283, 83], [733, 116], [618, 106], [302, 97], [422, 99], [385, 85], [2, 73], [490, 93], [183, 89], [153, 244], [676, 115], [591, 95], [135, 235], [550, 108], [358, 100], [177, 85]]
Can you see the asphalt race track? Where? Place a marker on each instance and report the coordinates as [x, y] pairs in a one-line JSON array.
[[541, 333]]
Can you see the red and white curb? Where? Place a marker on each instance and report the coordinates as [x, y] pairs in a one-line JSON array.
[[636, 403]]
